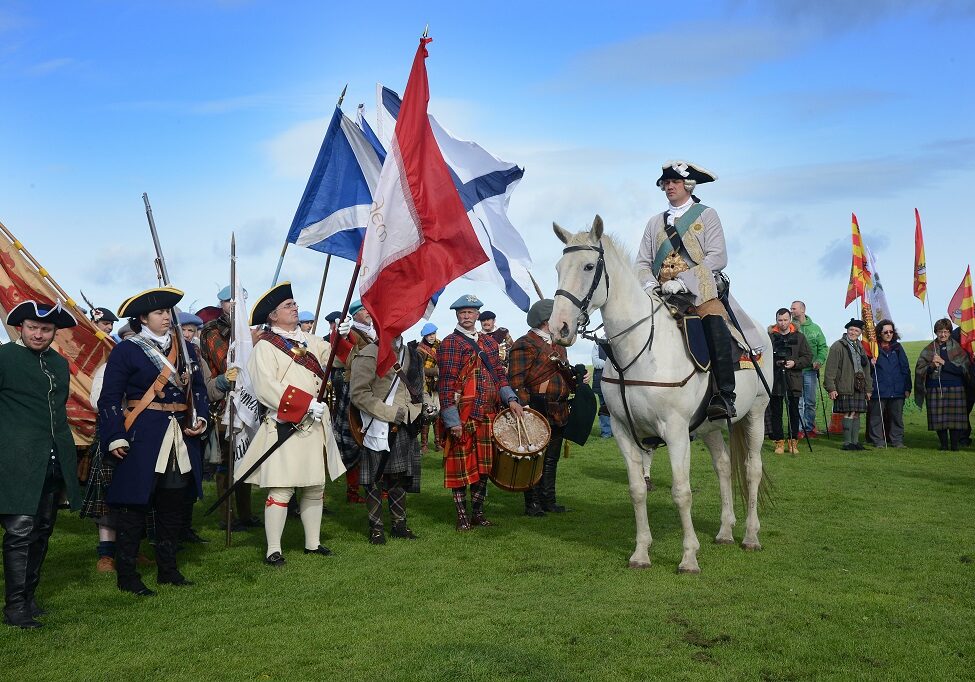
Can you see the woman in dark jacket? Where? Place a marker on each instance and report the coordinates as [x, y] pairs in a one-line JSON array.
[[891, 386], [143, 410], [939, 377]]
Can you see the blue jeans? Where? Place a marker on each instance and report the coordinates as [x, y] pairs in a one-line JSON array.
[[807, 403], [605, 428]]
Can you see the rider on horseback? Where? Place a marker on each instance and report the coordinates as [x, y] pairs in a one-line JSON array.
[[681, 250]]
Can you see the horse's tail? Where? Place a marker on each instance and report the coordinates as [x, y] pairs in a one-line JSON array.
[[739, 441]]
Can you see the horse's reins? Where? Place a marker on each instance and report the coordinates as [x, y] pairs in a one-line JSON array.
[[583, 321]]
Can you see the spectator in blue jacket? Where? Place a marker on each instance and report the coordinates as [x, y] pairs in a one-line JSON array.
[[892, 385]]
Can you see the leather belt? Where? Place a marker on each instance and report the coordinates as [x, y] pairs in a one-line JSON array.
[[163, 407]]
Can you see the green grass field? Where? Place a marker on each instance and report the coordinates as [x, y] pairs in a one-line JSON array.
[[867, 573]]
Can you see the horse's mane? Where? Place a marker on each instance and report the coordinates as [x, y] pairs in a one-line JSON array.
[[580, 238]]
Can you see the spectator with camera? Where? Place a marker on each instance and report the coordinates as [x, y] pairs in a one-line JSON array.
[[891, 386], [791, 354]]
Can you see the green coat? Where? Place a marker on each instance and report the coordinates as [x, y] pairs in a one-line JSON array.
[[33, 420], [817, 341]]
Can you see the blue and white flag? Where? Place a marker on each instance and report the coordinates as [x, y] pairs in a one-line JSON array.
[[485, 184], [335, 207]]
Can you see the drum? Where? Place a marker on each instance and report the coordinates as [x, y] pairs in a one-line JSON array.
[[519, 450]]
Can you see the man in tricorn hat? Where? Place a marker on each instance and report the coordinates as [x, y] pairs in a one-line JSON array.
[[287, 371], [38, 459], [540, 374], [472, 385], [214, 347], [681, 250], [104, 319], [147, 427]]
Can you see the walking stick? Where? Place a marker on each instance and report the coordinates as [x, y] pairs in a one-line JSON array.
[[822, 401]]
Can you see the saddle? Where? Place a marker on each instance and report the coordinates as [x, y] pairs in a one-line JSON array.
[[682, 310]]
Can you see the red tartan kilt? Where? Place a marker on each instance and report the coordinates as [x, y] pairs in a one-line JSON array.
[[465, 462]]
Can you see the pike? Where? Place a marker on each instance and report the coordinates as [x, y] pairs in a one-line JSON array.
[[232, 355], [162, 273]]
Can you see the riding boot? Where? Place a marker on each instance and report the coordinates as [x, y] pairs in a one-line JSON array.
[[170, 519], [953, 437], [722, 405], [47, 512], [943, 438], [130, 524], [549, 470], [16, 549]]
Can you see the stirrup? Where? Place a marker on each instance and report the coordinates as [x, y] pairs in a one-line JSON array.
[[720, 408]]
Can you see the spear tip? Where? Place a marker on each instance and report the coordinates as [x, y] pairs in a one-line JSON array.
[[342, 96]]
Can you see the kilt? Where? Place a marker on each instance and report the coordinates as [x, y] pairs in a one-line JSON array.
[[847, 403], [468, 461], [404, 460], [351, 451], [93, 505], [946, 408]]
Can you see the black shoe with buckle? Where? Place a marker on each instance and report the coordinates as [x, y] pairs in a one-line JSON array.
[[377, 536], [178, 581], [321, 549], [276, 559], [534, 510], [401, 530], [480, 520]]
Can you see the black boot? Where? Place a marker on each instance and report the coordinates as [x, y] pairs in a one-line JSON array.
[[722, 405], [953, 437], [549, 470], [943, 439], [16, 548], [171, 522], [533, 505], [47, 512], [130, 524]]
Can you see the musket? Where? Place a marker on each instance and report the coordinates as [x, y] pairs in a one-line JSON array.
[[163, 274]]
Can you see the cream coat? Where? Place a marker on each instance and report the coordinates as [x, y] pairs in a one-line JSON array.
[[303, 459]]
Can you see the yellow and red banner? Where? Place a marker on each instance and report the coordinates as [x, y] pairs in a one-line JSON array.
[[920, 266], [84, 346], [860, 279], [961, 309]]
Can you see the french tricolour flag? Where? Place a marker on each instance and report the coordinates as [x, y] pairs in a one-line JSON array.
[[419, 237]]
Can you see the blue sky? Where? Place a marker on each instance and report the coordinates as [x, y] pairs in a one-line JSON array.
[[806, 111]]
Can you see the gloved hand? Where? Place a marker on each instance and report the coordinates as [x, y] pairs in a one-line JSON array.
[[345, 326], [223, 383], [316, 410], [673, 286]]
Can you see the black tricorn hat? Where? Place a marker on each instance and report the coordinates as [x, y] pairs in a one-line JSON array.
[[333, 316], [103, 315], [143, 303], [42, 312], [486, 315], [854, 322], [683, 170], [268, 301]]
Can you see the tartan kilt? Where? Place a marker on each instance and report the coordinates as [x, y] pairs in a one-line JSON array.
[[93, 505], [847, 403], [351, 451], [946, 408], [467, 462], [404, 460]]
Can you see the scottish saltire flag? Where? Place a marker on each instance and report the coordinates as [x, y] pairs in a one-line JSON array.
[[419, 237], [485, 184], [360, 120], [334, 209]]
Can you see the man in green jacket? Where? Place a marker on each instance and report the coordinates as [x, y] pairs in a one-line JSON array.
[[38, 459], [810, 376]]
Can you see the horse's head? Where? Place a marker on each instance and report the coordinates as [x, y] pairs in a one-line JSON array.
[[583, 281]]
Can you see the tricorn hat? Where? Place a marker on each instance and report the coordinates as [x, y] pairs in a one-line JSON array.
[[103, 315], [854, 323], [467, 301], [143, 303], [270, 300], [333, 316], [42, 312], [683, 170]]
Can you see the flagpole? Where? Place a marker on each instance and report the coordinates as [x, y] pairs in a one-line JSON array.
[[538, 289], [231, 412], [321, 294], [277, 270], [69, 301]]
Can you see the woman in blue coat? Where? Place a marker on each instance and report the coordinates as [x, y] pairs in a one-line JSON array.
[[892, 385], [147, 427]]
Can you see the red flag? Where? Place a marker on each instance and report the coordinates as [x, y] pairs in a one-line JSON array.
[[419, 237], [83, 346], [920, 266], [860, 279], [961, 309]]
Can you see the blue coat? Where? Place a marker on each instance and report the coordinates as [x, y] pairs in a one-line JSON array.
[[892, 373], [128, 375]]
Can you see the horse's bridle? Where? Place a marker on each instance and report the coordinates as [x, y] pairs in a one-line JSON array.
[[583, 305]]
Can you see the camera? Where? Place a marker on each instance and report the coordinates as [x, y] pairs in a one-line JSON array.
[[782, 349]]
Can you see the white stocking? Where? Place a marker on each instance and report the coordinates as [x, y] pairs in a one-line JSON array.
[[310, 508], [275, 515]]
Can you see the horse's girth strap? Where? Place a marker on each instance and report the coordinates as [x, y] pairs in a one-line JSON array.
[[661, 384]]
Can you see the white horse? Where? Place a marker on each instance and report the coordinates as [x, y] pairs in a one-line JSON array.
[[666, 390]]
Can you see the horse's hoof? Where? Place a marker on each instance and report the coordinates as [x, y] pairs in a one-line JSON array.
[[724, 541], [638, 564], [688, 571], [751, 546]]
